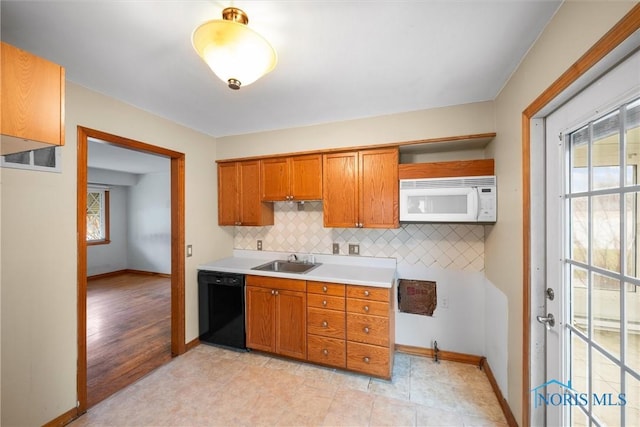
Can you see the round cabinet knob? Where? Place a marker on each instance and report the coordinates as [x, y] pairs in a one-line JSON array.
[[325, 289], [273, 292], [366, 330], [276, 292], [366, 308], [366, 293], [325, 323], [365, 359], [325, 352], [324, 303]]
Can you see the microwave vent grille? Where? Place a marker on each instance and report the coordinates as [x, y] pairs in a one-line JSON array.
[[461, 182]]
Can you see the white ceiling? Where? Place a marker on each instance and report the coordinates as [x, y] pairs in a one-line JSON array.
[[337, 60]]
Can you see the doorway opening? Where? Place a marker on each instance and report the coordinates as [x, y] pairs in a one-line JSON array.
[[173, 270]]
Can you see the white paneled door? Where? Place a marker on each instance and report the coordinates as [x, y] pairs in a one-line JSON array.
[[592, 295]]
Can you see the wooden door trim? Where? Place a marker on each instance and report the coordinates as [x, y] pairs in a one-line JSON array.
[[177, 160], [628, 25]]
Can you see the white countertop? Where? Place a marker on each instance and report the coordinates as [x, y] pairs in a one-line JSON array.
[[350, 270]]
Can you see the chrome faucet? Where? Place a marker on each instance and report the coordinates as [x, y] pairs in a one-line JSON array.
[[292, 258]]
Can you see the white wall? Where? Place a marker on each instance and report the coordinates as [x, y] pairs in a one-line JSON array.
[[112, 256], [39, 255], [149, 223], [573, 30]]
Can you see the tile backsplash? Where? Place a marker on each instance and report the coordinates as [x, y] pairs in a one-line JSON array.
[[447, 246]]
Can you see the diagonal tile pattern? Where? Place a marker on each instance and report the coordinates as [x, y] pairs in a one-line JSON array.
[[453, 246], [211, 386]]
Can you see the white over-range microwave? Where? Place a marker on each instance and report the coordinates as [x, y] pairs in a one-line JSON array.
[[460, 199]]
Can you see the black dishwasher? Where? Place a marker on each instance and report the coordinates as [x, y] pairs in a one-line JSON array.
[[221, 309]]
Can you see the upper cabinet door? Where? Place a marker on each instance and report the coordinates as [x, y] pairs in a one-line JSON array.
[[239, 195], [228, 209], [379, 188], [305, 177], [252, 211], [340, 189], [275, 179], [32, 100], [291, 178]]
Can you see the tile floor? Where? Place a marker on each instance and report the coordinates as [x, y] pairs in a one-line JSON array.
[[211, 386]]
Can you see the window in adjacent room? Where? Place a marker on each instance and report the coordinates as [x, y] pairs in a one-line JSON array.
[[97, 216]]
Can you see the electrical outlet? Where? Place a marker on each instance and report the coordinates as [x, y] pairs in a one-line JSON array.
[[336, 248], [354, 249], [444, 302], [189, 250], [259, 244]]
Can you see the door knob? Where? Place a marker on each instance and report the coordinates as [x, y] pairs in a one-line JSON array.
[[549, 321]]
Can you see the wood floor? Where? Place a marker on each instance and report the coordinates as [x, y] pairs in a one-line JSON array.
[[128, 330]]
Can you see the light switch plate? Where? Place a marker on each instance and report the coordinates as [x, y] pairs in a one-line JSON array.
[[189, 250], [336, 248], [354, 249]]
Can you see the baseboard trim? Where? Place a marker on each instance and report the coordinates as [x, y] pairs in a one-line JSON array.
[[471, 359], [192, 344], [442, 355], [128, 270], [506, 410], [63, 419]]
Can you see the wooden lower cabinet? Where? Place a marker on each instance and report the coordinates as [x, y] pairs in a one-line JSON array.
[[350, 327], [277, 316], [326, 324], [370, 330], [369, 359]]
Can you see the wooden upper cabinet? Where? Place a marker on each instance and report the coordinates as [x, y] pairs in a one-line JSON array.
[[239, 195], [340, 190], [291, 178], [360, 189], [379, 188], [32, 101]]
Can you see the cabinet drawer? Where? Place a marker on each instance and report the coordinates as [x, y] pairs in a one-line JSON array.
[[328, 323], [327, 351], [277, 283], [368, 292], [368, 329], [325, 301], [362, 306], [369, 359], [323, 288]]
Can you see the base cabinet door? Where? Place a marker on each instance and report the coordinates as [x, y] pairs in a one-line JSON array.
[[291, 324], [260, 319]]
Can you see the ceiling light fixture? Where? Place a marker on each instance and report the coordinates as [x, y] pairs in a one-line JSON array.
[[237, 55]]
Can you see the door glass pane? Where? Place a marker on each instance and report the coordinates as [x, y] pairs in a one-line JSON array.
[[632, 138], [579, 364], [605, 239], [578, 418], [632, 223], [579, 229], [579, 301], [632, 396], [605, 313], [606, 388], [579, 160], [632, 311], [605, 152]]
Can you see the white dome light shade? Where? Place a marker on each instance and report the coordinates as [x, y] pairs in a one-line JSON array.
[[236, 54]]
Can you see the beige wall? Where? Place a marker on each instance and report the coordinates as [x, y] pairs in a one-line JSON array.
[[39, 255], [465, 119], [574, 29]]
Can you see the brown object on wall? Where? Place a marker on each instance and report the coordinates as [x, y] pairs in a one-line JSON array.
[[417, 296]]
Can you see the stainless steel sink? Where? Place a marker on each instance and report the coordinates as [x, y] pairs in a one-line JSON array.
[[287, 266]]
